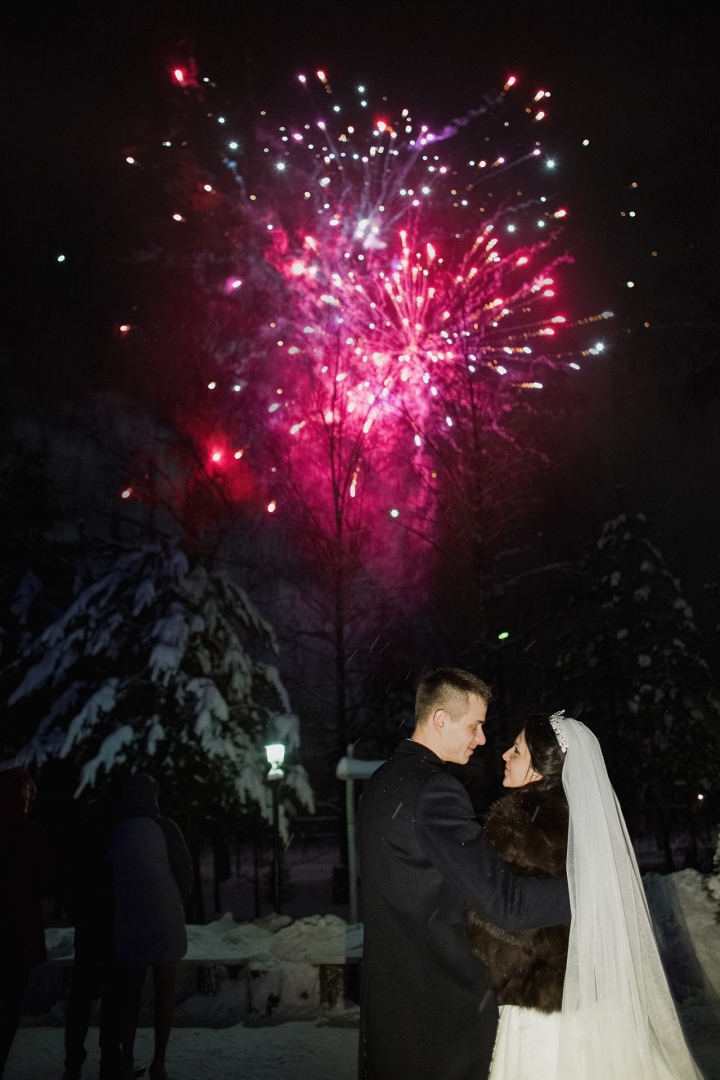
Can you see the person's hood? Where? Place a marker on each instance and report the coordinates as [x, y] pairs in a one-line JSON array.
[[140, 796]]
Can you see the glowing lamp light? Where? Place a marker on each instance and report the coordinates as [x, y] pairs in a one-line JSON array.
[[503, 636], [237, 389], [540, 94], [130, 160], [522, 261], [275, 755], [586, 142], [207, 187], [511, 82], [540, 115], [701, 797], [280, 166], [381, 125], [238, 454], [124, 328], [61, 258], [302, 78], [321, 76], [272, 507], [631, 284], [178, 217], [212, 385], [217, 456], [179, 75], [394, 513], [418, 440], [126, 493], [599, 346], [575, 366], [501, 370], [235, 284], [233, 145], [560, 213], [221, 119]]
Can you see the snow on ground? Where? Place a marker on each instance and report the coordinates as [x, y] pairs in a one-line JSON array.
[[294, 1051], [281, 956]]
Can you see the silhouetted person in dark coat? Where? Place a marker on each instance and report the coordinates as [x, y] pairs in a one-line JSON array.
[[428, 1011], [86, 888], [152, 875], [26, 868]]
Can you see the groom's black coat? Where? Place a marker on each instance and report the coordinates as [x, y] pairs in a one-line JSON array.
[[427, 1009]]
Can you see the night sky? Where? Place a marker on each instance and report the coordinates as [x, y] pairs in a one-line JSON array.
[[639, 81]]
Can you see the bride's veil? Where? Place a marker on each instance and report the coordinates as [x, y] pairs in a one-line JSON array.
[[618, 1019]]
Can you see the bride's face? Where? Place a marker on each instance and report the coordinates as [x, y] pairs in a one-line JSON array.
[[518, 767]]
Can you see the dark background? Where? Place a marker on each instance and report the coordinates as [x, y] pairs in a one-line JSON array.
[[639, 81]]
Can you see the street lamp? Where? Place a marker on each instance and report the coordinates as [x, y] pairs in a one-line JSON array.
[[276, 756]]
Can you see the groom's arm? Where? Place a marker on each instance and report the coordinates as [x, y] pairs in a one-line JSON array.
[[452, 840]]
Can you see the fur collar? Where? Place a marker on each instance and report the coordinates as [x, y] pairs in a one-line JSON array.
[[528, 828]]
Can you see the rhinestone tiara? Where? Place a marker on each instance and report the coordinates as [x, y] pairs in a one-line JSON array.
[[556, 724]]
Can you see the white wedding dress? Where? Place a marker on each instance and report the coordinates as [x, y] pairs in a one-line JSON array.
[[618, 1020], [526, 1047]]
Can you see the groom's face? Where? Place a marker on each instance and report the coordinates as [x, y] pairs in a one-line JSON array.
[[461, 735]]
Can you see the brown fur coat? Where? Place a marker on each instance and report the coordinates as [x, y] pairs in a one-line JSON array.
[[528, 828]]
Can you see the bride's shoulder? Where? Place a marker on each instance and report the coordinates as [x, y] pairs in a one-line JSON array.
[[527, 821]]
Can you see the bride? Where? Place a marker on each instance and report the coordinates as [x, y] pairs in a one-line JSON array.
[[590, 1002]]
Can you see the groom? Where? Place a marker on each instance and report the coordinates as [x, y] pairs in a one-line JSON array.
[[427, 1009]]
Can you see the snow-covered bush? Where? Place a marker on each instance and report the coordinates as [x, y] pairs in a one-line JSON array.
[[149, 670]]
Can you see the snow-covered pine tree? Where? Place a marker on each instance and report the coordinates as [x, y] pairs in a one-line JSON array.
[[149, 670], [631, 668]]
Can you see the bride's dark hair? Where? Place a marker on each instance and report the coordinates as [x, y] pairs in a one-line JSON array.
[[546, 756]]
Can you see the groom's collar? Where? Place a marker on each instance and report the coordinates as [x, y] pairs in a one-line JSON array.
[[409, 746]]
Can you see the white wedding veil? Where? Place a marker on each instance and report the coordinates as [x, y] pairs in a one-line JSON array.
[[618, 1019]]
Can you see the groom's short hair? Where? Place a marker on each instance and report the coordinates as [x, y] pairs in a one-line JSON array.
[[446, 688]]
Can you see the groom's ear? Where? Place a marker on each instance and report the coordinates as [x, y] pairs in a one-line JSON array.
[[439, 719]]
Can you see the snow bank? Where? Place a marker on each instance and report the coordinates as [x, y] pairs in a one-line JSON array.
[[317, 939], [686, 917]]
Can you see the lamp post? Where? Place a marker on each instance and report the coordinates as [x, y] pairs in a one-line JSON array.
[[276, 756], [351, 769]]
